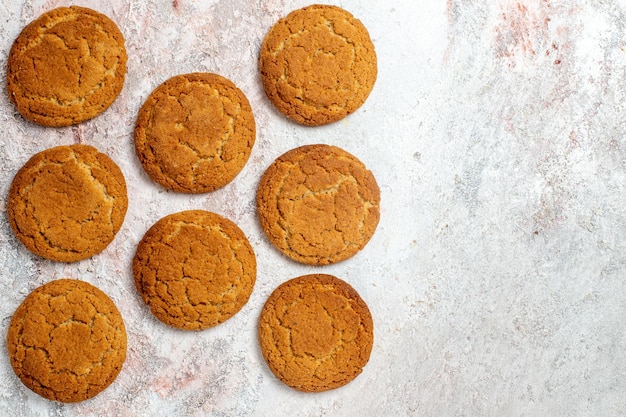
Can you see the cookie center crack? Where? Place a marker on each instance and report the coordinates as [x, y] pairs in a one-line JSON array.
[[322, 213], [323, 66], [78, 60], [101, 210]]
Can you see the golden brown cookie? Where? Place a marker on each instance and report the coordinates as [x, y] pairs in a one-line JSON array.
[[318, 204], [67, 341], [318, 65], [194, 269], [66, 66], [316, 333], [195, 133], [67, 203]]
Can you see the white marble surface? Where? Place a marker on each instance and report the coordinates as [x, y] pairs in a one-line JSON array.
[[496, 278]]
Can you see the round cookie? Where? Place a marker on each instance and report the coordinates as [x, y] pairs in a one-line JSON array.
[[194, 269], [66, 66], [318, 204], [318, 65], [67, 203], [195, 133], [67, 341], [316, 333]]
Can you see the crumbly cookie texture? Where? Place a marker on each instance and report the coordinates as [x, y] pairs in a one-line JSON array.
[[194, 269], [318, 65], [66, 66], [195, 132], [67, 341], [316, 333], [67, 203], [318, 204]]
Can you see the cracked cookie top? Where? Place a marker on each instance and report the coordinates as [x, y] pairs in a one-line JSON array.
[[316, 333], [67, 203], [318, 204], [318, 65], [195, 132], [194, 269], [67, 341], [67, 66]]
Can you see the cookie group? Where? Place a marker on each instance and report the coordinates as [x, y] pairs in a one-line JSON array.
[[317, 204], [67, 341], [67, 66]]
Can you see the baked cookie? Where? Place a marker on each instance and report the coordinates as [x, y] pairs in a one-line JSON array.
[[67, 203], [66, 66], [316, 333], [194, 269], [67, 341], [318, 204], [318, 65], [195, 133]]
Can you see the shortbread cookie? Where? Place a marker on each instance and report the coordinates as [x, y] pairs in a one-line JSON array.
[[318, 204], [66, 66], [67, 203], [194, 269], [318, 65], [195, 133], [316, 333], [67, 341]]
